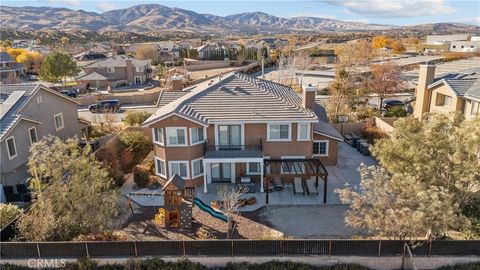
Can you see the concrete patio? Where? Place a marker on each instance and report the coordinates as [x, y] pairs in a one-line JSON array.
[[346, 172]]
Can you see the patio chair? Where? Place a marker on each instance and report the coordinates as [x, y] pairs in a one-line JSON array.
[[311, 186], [297, 186], [277, 183]]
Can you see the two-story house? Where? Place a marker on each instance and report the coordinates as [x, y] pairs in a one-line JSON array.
[[116, 71], [10, 70], [28, 113], [219, 131], [451, 92]]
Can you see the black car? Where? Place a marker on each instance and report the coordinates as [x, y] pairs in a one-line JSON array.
[[105, 106], [69, 93], [387, 104]]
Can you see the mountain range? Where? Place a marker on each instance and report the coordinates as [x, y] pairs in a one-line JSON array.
[[154, 17]]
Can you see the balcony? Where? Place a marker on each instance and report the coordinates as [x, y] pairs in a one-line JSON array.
[[232, 151]]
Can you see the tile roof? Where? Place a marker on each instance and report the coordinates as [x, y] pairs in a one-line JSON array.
[[92, 76], [118, 61], [238, 97], [464, 84], [167, 97]]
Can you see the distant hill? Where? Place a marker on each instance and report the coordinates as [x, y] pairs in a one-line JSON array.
[[158, 18]]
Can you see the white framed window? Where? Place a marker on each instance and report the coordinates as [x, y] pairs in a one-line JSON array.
[[180, 168], [447, 101], [320, 148], [475, 108], [176, 136], [158, 136], [279, 132], [197, 135], [253, 168], [160, 168], [39, 99], [110, 70], [292, 167], [32, 134], [11, 148], [58, 119], [197, 167], [303, 131]]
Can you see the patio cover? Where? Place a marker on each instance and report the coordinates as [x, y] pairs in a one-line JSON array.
[[303, 168]]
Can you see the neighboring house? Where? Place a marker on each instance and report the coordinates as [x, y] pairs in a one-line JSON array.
[[452, 92], [465, 46], [210, 52], [163, 51], [220, 131], [93, 54], [28, 113], [10, 70], [116, 71], [441, 39]]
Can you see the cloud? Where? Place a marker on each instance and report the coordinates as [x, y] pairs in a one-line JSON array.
[[472, 21], [395, 8], [65, 2], [105, 6]]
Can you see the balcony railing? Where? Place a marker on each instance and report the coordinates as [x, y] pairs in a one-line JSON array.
[[232, 151]]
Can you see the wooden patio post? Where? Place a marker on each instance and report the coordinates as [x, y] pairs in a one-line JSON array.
[[325, 189], [267, 190]]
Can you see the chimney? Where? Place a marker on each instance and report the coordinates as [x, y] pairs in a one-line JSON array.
[[309, 97], [177, 83], [422, 94]]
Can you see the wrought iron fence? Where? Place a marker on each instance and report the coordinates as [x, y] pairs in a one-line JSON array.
[[236, 248]]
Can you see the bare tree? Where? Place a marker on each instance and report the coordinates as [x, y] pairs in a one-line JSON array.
[[230, 199], [385, 80], [145, 51]]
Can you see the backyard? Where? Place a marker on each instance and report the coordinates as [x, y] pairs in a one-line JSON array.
[[286, 216]]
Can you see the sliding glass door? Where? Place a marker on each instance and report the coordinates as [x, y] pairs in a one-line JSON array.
[[229, 136], [221, 172]]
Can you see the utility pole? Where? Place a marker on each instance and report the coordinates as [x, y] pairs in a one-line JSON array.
[[263, 67]]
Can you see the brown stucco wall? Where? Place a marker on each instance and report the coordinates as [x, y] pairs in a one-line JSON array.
[[332, 150]]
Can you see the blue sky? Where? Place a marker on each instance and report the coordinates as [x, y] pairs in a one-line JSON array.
[[396, 12]]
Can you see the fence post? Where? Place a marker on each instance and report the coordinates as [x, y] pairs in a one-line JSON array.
[[86, 249], [430, 248], [184, 252], [38, 251], [232, 250], [135, 246], [281, 247], [379, 247], [330, 248]]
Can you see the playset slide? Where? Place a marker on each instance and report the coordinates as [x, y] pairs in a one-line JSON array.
[[207, 208]]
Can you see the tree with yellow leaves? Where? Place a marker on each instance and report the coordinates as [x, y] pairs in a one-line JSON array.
[[30, 59], [379, 42]]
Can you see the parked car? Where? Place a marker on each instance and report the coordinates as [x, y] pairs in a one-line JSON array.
[[105, 106], [70, 93], [387, 104]]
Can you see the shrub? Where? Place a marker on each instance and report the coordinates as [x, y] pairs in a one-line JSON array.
[[141, 175], [396, 111], [8, 212], [372, 133], [134, 140], [135, 118]]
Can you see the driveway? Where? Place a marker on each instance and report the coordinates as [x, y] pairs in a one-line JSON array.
[[346, 172]]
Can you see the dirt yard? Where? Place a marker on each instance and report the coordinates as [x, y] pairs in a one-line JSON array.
[[142, 226]]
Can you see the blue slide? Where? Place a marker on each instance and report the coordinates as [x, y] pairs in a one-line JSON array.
[[207, 208]]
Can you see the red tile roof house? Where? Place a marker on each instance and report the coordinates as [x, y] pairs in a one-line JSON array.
[[119, 70], [221, 131]]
